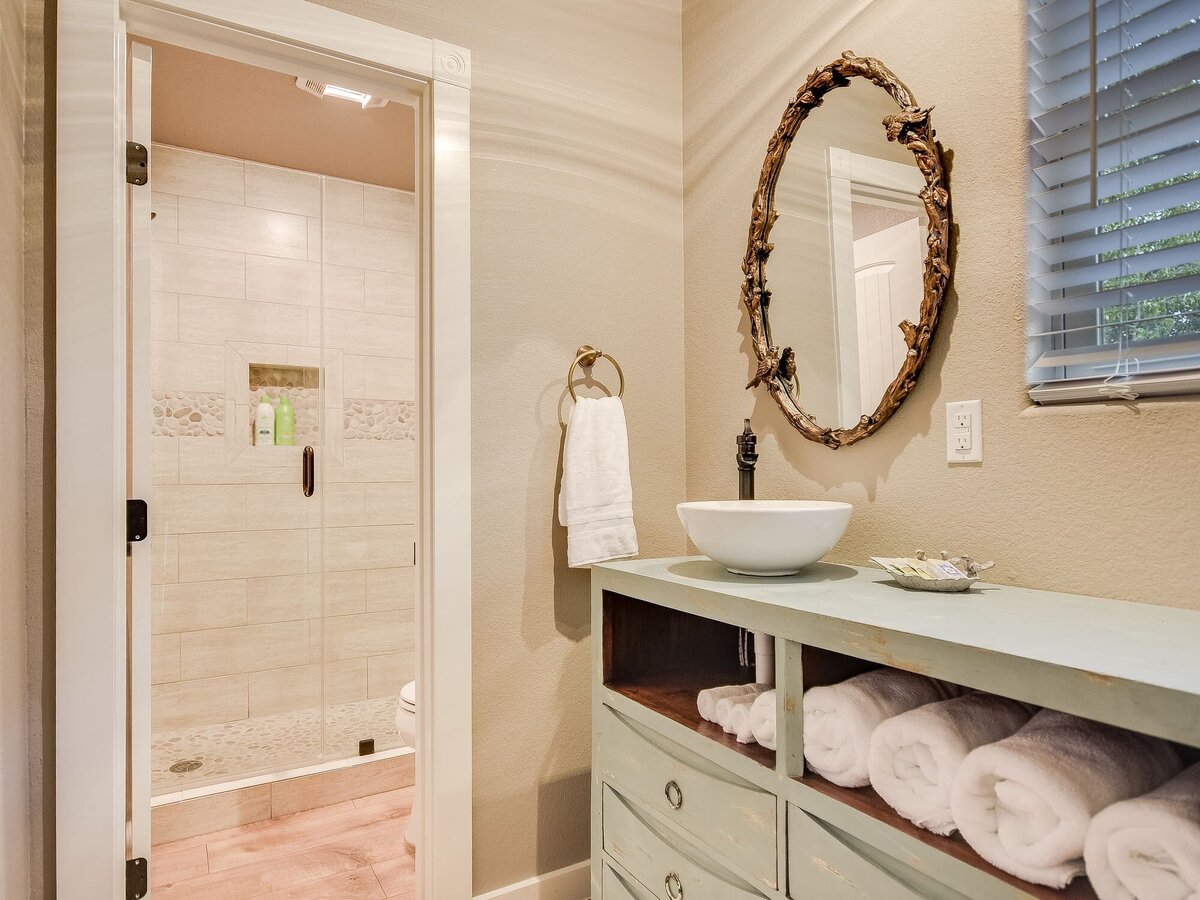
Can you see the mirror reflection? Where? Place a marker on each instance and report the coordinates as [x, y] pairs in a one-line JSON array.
[[849, 253]]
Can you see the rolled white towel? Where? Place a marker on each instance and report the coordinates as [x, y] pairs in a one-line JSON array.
[[727, 709], [706, 700], [914, 756], [1148, 846], [762, 719], [839, 719], [1024, 803], [739, 723]]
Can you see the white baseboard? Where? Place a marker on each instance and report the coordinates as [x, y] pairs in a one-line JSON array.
[[569, 883]]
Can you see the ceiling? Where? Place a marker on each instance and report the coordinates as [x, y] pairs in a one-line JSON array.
[[216, 105]]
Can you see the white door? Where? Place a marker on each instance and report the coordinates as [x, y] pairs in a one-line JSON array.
[[888, 289], [139, 470]]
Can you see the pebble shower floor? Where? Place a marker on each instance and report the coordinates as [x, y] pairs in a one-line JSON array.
[[249, 747]]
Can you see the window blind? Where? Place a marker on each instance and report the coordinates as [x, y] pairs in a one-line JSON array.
[[1114, 198]]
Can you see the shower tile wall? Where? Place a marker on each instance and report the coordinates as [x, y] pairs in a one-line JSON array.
[[237, 617]]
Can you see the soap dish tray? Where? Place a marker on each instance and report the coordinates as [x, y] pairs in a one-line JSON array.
[[942, 571], [946, 585]]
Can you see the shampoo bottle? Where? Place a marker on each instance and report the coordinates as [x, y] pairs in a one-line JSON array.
[[264, 423], [285, 423]]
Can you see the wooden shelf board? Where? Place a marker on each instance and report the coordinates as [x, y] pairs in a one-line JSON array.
[[865, 800], [673, 694]]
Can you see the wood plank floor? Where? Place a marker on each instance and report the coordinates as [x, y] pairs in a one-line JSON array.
[[353, 850]]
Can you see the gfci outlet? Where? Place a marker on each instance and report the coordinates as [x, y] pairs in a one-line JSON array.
[[964, 431]]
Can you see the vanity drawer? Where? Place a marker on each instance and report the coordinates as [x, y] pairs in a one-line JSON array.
[[825, 863], [731, 816], [615, 887], [659, 861]]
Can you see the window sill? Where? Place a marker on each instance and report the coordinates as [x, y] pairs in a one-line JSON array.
[[1140, 387]]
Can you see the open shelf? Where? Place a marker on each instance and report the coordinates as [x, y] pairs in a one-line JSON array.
[[661, 659], [866, 801], [675, 698]]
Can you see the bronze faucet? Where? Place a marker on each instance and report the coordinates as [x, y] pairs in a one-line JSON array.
[[747, 457]]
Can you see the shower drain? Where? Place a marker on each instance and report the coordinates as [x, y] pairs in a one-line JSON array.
[[186, 765]]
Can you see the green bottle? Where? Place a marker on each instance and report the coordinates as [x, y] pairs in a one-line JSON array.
[[285, 422]]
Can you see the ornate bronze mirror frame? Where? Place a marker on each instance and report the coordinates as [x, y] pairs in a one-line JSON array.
[[910, 127]]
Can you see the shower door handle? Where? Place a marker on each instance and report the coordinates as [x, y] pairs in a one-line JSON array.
[[308, 475]]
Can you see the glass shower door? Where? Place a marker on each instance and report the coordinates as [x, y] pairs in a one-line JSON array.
[[367, 474], [283, 318], [236, 391]]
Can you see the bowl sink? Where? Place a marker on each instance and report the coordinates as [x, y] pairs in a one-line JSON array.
[[765, 537]]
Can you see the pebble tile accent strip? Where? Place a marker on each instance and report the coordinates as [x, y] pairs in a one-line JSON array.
[[380, 420], [187, 414], [289, 377]]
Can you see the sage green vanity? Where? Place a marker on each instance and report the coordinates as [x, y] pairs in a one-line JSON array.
[[680, 811]]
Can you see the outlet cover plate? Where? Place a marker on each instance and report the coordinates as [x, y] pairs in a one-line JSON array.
[[964, 431]]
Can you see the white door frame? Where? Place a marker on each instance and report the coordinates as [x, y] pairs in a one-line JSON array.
[[91, 644]]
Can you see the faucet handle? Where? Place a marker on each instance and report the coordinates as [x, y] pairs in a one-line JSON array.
[[747, 441]]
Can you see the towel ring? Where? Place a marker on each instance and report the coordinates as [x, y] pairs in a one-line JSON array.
[[587, 357]]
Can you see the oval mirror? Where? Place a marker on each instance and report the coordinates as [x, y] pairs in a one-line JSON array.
[[847, 259]]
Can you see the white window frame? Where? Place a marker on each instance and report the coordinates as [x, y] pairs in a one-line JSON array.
[[90, 631]]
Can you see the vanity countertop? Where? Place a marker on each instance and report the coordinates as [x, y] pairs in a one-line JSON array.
[[1149, 655]]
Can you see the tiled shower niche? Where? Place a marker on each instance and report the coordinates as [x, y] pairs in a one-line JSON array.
[[282, 625], [301, 385]]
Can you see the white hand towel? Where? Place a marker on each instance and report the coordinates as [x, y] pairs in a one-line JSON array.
[[728, 705], [706, 700], [595, 500], [1025, 802], [1148, 846], [840, 719], [762, 719], [914, 756]]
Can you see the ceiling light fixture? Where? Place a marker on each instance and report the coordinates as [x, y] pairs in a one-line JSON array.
[[320, 89]]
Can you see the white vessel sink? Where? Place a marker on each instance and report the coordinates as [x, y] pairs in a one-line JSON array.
[[765, 537]]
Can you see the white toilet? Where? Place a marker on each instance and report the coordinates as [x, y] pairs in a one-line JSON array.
[[406, 726]]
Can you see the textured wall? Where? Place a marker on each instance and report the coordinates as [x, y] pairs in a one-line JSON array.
[[39, 441], [1098, 498], [576, 237], [14, 757]]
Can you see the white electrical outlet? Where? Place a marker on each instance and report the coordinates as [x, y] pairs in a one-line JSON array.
[[964, 431]]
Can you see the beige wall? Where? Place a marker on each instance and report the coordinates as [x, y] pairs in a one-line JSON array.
[[39, 442], [14, 759], [575, 237], [1101, 499], [239, 310]]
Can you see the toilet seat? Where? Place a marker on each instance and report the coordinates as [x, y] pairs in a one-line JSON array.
[[408, 696]]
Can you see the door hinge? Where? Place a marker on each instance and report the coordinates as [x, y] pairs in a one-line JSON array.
[[137, 878], [137, 163], [137, 520]]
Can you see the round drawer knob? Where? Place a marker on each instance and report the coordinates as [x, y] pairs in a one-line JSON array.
[[674, 887], [674, 794]]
